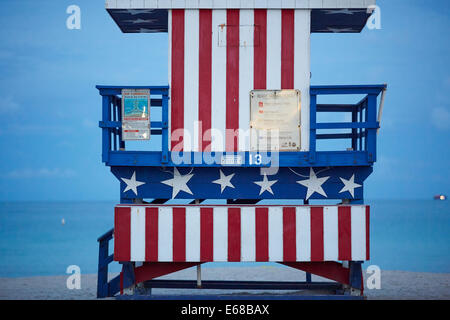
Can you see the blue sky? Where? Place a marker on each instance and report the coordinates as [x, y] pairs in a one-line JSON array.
[[49, 108]]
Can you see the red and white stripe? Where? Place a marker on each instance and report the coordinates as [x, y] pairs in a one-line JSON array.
[[246, 233], [217, 56]]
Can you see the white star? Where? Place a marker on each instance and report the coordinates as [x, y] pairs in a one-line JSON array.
[[265, 185], [178, 183], [140, 21], [135, 12], [314, 184], [350, 185], [337, 30], [224, 181], [342, 11], [132, 184]]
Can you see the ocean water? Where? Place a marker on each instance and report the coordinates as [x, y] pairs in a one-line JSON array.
[[405, 235]]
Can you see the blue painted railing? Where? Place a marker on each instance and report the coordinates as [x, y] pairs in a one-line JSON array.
[[363, 128]]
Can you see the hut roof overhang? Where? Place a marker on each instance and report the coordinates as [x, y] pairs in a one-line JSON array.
[[327, 16]]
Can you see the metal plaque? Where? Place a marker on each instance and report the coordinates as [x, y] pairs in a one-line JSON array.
[[275, 120], [135, 114]]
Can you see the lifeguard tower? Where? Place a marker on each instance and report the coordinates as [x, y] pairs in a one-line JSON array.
[[238, 123]]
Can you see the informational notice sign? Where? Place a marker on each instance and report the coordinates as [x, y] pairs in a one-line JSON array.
[[275, 120], [135, 114]]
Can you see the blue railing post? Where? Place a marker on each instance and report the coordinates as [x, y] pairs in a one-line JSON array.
[[312, 129], [165, 128], [106, 134], [371, 117], [103, 260], [119, 117], [361, 130], [355, 131]]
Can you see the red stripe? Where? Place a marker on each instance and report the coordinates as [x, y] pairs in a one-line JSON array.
[[122, 234], [204, 85], [234, 234], [345, 236], [287, 49], [151, 234], [367, 233], [262, 234], [289, 235], [179, 234], [260, 50], [316, 234], [177, 86], [206, 234], [232, 86]]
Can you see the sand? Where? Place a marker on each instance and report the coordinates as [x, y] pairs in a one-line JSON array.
[[395, 285]]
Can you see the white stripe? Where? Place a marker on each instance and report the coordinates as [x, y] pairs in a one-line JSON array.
[[191, 78], [220, 234], [273, 49], [302, 68], [165, 230], [137, 231], [193, 234], [303, 227], [248, 234], [275, 234], [246, 55], [330, 233], [219, 84], [358, 225]]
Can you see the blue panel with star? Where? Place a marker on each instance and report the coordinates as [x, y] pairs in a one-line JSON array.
[[241, 183]]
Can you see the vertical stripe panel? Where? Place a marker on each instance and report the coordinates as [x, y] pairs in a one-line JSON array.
[[220, 234], [248, 235], [316, 234], [193, 234], [275, 234], [137, 242], [262, 234], [122, 234], [234, 234], [260, 49], [179, 234], [219, 81], [302, 69], [303, 228], [165, 248], [358, 230], [246, 38], [151, 234], [274, 49], [345, 240], [205, 80], [177, 77], [191, 80], [289, 234], [287, 49], [367, 233], [206, 234], [330, 233], [232, 87]]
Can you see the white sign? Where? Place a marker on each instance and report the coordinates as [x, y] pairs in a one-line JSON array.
[[135, 114], [275, 120], [231, 160]]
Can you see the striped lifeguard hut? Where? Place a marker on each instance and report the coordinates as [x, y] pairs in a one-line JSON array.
[[238, 125]]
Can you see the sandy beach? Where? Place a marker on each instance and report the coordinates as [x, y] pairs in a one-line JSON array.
[[395, 285]]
